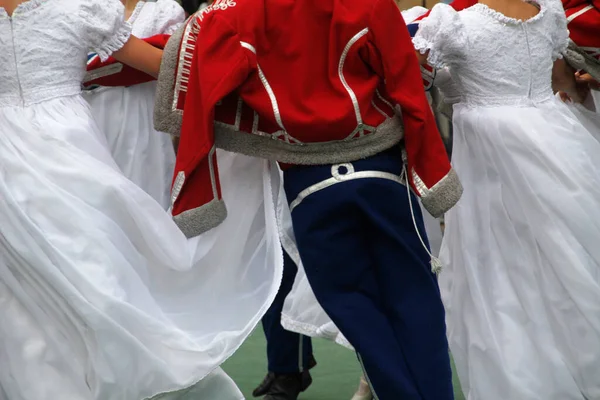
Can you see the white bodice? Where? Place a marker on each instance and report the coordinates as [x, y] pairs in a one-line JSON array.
[[153, 18], [493, 59], [44, 46]]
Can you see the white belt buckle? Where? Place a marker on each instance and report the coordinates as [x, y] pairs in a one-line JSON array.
[[335, 171]]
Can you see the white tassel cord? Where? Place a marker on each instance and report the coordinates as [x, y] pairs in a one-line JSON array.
[[436, 263]]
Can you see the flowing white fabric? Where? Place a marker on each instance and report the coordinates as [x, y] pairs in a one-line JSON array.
[[589, 113], [101, 295], [144, 155], [302, 313], [125, 114], [521, 282]]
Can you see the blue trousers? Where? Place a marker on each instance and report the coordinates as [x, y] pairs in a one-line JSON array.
[[372, 276], [287, 352]]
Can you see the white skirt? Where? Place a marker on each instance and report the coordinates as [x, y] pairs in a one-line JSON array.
[[101, 295], [144, 155], [521, 282]]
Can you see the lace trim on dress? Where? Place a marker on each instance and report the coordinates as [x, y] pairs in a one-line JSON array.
[[116, 42], [472, 101], [312, 331], [503, 19], [423, 46]]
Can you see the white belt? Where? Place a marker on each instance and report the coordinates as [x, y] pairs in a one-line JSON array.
[[351, 174], [338, 177]]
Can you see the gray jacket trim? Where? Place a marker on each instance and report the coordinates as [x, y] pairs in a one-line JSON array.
[[443, 196], [103, 72], [199, 220], [579, 59], [388, 134], [166, 117], [574, 57]]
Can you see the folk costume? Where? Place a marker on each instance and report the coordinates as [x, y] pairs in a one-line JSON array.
[[521, 279], [102, 297], [302, 313], [125, 114], [347, 164]]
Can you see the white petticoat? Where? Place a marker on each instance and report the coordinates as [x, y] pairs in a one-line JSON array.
[[521, 283], [101, 296], [145, 156]]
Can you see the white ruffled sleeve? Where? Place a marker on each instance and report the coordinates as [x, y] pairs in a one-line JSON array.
[[442, 34], [558, 27], [105, 26], [170, 16]]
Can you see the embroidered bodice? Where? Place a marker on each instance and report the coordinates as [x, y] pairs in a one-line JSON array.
[[44, 46], [494, 59], [153, 18]]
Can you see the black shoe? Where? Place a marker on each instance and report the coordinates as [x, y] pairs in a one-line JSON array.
[[285, 387], [264, 386], [306, 377], [312, 362], [306, 380]]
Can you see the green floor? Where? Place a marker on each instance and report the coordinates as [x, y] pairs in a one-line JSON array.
[[335, 378]]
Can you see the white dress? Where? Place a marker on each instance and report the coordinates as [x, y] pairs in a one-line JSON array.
[[125, 114], [101, 295], [521, 282]]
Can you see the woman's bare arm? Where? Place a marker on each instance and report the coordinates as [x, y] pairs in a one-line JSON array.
[[422, 57], [563, 80], [140, 55]]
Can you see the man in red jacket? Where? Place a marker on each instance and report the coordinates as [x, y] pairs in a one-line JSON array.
[[332, 90]]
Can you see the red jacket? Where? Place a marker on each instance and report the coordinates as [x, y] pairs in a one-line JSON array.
[[584, 24], [302, 82]]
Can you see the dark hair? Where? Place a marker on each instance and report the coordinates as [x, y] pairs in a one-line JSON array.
[[191, 6]]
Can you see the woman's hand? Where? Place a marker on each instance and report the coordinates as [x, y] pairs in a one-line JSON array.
[[584, 78], [565, 83], [578, 95], [565, 97], [140, 55], [422, 57]]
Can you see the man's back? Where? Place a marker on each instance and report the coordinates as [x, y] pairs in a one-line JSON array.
[[304, 83], [312, 57]]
